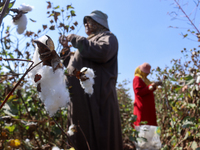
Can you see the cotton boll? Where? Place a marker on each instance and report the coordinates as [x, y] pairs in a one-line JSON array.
[[34, 71], [55, 148], [87, 84], [71, 130], [89, 73], [21, 24], [36, 59], [54, 93], [25, 8]]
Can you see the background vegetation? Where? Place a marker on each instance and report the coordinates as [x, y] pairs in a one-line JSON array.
[[24, 123]]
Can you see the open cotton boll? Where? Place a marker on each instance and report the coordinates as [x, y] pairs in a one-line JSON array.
[[25, 8], [21, 24], [55, 148], [89, 73], [54, 93], [87, 84], [72, 129], [43, 39], [36, 60]]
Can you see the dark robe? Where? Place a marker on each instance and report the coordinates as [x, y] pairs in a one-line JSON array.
[[98, 114]]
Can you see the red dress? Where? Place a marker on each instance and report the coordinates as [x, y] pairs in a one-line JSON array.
[[144, 103]]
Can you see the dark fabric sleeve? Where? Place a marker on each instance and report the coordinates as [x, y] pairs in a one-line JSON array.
[[65, 59], [99, 51], [140, 88]]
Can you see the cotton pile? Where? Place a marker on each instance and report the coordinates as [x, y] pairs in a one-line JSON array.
[[54, 93], [87, 84], [22, 21]]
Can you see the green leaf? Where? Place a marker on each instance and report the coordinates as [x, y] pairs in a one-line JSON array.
[[11, 4], [173, 79], [187, 124], [188, 77], [198, 135], [7, 110], [28, 123], [133, 118], [165, 148], [72, 13], [131, 138], [56, 7], [10, 128], [185, 35], [69, 7], [194, 145], [190, 81], [143, 122], [190, 105]]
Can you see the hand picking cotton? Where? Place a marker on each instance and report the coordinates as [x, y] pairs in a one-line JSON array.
[[87, 84]]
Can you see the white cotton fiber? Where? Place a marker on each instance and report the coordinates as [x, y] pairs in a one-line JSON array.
[[55, 148], [25, 8], [21, 24], [89, 73], [54, 93], [36, 59], [34, 71], [87, 85]]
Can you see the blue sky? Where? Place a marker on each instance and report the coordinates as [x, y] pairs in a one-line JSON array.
[[141, 26]]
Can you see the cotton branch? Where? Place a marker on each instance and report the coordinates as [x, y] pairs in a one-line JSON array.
[[29, 69], [186, 16], [4, 10]]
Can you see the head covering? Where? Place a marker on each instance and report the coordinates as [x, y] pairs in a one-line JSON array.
[[99, 17], [145, 67], [142, 75]]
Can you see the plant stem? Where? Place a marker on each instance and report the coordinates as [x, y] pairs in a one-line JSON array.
[[65, 133], [4, 10], [29, 69], [186, 16]]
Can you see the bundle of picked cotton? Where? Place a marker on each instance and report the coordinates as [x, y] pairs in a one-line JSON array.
[[88, 83]]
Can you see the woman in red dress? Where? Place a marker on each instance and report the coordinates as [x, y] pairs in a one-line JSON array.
[[144, 103]]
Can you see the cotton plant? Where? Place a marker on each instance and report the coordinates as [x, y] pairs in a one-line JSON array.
[[50, 83], [87, 84], [21, 21], [72, 129]]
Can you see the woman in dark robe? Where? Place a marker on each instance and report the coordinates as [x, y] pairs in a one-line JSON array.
[[97, 114]]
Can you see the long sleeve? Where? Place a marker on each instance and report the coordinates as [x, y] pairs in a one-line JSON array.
[[140, 88], [100, 50]]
